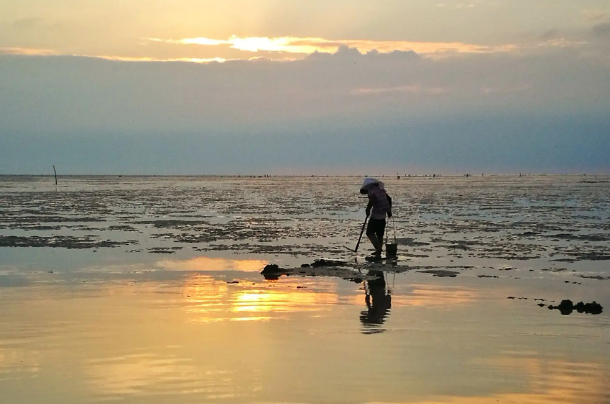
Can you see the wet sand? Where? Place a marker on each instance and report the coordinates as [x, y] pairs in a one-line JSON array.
[[148, 289]]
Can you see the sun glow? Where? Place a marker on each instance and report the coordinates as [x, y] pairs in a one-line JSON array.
[[308, 45]]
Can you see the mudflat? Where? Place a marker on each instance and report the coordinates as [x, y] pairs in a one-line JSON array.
[[149, 290]]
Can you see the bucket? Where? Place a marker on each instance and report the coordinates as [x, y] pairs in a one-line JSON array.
[[391, 249]]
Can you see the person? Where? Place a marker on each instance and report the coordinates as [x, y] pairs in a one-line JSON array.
[[379, 206]]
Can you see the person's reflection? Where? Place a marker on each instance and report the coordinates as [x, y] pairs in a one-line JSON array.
[[378, 301]]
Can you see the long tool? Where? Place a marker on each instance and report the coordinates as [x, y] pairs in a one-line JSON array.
[[359, 238]]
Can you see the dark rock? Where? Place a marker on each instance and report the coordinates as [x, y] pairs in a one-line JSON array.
[[589, 308], [597, 277], [305, 266], [441, 273], [272, 272], [565, 307], [233, 282], [272, 268], [328, 263]]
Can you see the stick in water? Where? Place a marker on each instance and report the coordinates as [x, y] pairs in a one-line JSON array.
[[55, 171]]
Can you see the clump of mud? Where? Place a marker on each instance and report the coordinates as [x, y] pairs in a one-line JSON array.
[[321, 267], [440, 273], [69, 242], [566, 307]]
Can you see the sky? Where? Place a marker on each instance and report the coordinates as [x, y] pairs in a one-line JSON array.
[[304, 87]]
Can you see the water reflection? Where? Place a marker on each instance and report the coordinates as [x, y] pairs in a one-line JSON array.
[[18, 363], [187, 340], [212, 300], [212, 264], [378, 302], [544, 380]]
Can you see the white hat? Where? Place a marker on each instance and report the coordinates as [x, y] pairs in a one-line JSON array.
[[368, 182]]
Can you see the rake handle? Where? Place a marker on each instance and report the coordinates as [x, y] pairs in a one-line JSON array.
[[361, 233]]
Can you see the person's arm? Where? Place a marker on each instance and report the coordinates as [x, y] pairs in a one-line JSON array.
[[369, 206]]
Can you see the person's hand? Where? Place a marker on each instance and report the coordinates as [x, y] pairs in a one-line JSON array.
[[389, 214]]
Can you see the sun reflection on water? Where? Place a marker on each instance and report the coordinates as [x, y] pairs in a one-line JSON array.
[[161, 340], [212, 264], [212, 300]]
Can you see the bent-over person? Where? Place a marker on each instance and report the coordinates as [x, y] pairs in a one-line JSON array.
[[379, 206]]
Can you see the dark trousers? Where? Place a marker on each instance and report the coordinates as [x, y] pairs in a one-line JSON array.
[[376, 227]]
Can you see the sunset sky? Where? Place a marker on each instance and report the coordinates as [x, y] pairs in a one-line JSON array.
[[300, 87]]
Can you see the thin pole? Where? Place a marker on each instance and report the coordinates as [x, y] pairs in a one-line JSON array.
[[361, 231], [55, 171]]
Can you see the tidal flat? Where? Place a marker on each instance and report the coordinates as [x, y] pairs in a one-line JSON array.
[[149, 290]]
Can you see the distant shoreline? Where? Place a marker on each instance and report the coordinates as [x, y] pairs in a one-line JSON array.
[[464, 175]]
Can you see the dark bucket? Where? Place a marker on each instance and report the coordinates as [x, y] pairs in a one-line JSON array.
[[391, 250]]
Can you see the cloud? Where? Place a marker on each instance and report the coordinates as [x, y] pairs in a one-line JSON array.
[[51, 52], [550, 35], [491, 90], [27, 51], [595, 15], [151, 59], [493, 112], [310, 45], [413, 89], [26, 23], [601, 31], [466, 6], [201, 49], [301, 47]]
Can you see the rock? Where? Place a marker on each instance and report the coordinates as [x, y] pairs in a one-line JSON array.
[[272, 272], [441, 273], [566, 307], [232, 282], [328, 263], [597, 277], [271, 268], [589, 308]]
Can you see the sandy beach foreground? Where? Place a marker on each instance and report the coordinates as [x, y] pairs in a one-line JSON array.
[[148, 290]]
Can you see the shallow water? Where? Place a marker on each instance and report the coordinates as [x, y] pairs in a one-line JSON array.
[[147, 289]]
